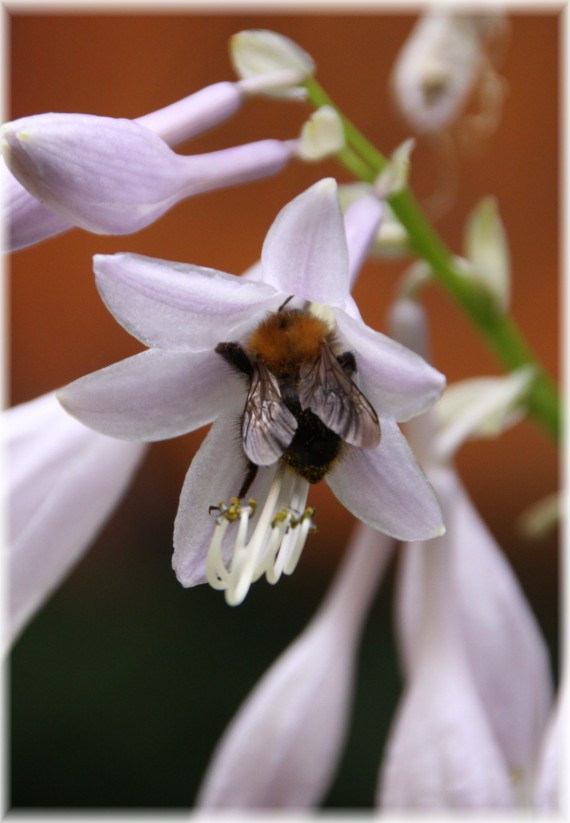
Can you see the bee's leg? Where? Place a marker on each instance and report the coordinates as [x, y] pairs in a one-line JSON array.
[[248, 480], [236, 357], [348, 362]]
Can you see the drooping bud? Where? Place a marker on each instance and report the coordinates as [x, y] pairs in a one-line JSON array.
[[444, 59], [487, 250], [264, 55], [321, 136], [480, 407], [394, 177], [542, 516]]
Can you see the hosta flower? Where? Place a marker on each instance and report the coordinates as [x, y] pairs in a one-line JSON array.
[[471, 721], [441, 752], [446, 58], [282, 747], [184, 313], [63, 480], [114, 176]]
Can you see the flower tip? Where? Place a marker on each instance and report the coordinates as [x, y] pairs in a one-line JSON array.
[[487, 249], [394, 177], [257, 54], [258, 51], [12, 137], [321, 136], [62, 399], [327, 185]]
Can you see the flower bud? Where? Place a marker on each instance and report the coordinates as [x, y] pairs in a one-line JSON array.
[[542, 516], [394, 177], [114, 176], [480, 407], [261, 54], [440, 65], [321, 136], [487, 250]]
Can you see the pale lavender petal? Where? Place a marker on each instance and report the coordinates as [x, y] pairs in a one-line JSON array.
[[177, 306], [361, 221], [26, 221], [63, 482], [81, 166], [549, 781], [282, 747], [505, 651], [216, 474], [194, 114], [398, 382], [409, 326], [305, 250], [441, 752], [154, 395], [385, 488]]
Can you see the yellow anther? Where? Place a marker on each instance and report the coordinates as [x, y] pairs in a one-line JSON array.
[[280, 517]]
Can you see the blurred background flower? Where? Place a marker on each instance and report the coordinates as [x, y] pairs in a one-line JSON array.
[[122, 685]]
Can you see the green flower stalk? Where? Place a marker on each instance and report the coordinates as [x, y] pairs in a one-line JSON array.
[[497, 327]]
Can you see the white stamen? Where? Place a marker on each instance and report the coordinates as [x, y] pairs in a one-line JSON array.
[[293, 559], [279, 536], [215, 569], [274, 547], [242, 571]]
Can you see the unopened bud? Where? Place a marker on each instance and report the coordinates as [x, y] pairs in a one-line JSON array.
[[322, 135], [441, 63], [542, 517], [394, 177], [480, 407], [487, 251], [258, 54]]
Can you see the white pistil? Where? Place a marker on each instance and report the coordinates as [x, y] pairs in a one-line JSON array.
[[274, 547]]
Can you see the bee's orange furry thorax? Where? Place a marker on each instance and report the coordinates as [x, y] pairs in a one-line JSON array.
[[286, 339]]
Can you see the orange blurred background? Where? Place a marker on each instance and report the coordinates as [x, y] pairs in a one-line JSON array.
[[125, 65]]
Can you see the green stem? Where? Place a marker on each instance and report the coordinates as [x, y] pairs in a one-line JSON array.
[[499, 329], [355, 165]]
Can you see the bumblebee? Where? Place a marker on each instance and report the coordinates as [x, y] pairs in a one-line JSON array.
[[302, 406]]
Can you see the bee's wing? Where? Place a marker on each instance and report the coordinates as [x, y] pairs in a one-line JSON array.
[[327, 390], [267, 426]]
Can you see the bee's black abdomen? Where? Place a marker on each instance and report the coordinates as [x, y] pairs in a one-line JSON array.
[[314, 447]]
